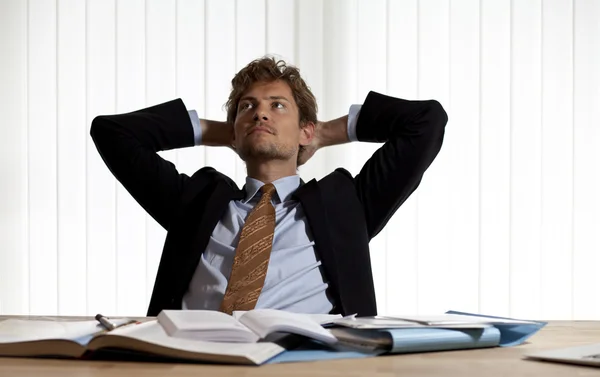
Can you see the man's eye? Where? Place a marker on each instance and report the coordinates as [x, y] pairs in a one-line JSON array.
[[245, 106], [278, 105]]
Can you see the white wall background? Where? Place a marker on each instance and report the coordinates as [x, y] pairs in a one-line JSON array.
[[506, 221]]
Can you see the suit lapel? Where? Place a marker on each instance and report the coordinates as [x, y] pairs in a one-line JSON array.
[[315, 209], [209, 214]]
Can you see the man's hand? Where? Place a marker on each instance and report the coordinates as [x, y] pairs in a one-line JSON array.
[[307, 151], [217, 134], [333, 132]]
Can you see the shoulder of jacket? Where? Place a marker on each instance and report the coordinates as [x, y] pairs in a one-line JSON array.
[[341, 173], [202, 179]]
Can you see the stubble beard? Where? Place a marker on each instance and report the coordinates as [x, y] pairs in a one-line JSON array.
[[265, 152]]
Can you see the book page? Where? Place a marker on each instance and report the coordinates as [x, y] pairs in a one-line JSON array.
[[19, 330], [447, 319], [382, 322], [267, 321], [151, 337], [205, 325], [321, 319]]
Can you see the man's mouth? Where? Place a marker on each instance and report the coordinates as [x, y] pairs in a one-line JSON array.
[[259, 129]]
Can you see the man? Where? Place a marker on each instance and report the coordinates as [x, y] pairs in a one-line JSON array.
[[277, 242]]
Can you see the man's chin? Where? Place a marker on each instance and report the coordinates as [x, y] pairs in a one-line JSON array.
[[262, 153]]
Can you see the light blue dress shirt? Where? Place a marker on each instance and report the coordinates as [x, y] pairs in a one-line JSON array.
[[294, 280]]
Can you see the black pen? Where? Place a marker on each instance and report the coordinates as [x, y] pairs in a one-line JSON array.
[[105, 322]]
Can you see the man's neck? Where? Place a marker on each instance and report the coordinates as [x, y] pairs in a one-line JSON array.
[[269, 171]]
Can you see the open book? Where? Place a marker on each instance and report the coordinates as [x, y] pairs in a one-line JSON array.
[[203, 336], [69, 339], [243, 327]]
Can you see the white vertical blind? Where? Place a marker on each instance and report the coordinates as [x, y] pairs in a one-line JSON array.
[[526, 164], [14, 131], [42, 157], [494, 156], [557, 159], [71, 148], [586, 154], [506, 221]]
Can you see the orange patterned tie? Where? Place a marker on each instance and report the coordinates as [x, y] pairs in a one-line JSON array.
[[252, 256]]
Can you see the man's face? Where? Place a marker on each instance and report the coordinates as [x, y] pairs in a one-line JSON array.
[[267, 125]]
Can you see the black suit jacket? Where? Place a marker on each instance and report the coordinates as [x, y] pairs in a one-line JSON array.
[[344, 212]]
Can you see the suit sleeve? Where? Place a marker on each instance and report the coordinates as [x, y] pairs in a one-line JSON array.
[[412, 133], [128, 144]]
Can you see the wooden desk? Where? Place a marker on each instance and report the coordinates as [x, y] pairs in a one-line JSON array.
[[483, 362]]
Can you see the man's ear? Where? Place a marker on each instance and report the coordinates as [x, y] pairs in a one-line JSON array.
[[307, 133]]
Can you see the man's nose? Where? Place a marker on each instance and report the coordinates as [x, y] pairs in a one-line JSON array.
[[260, 114]]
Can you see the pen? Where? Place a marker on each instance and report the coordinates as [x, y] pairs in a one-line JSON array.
[[105, 322]]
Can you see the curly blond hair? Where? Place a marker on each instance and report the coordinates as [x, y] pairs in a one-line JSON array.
[[267, 69]]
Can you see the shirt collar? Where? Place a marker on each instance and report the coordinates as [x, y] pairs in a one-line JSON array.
[[284, 187]]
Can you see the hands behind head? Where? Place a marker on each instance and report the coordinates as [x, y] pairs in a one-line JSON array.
[[307, 151]]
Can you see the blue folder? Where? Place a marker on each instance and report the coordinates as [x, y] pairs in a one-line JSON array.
[[510, 334], [422, 339]]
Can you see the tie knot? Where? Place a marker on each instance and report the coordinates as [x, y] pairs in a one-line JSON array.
[[268, 190]]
